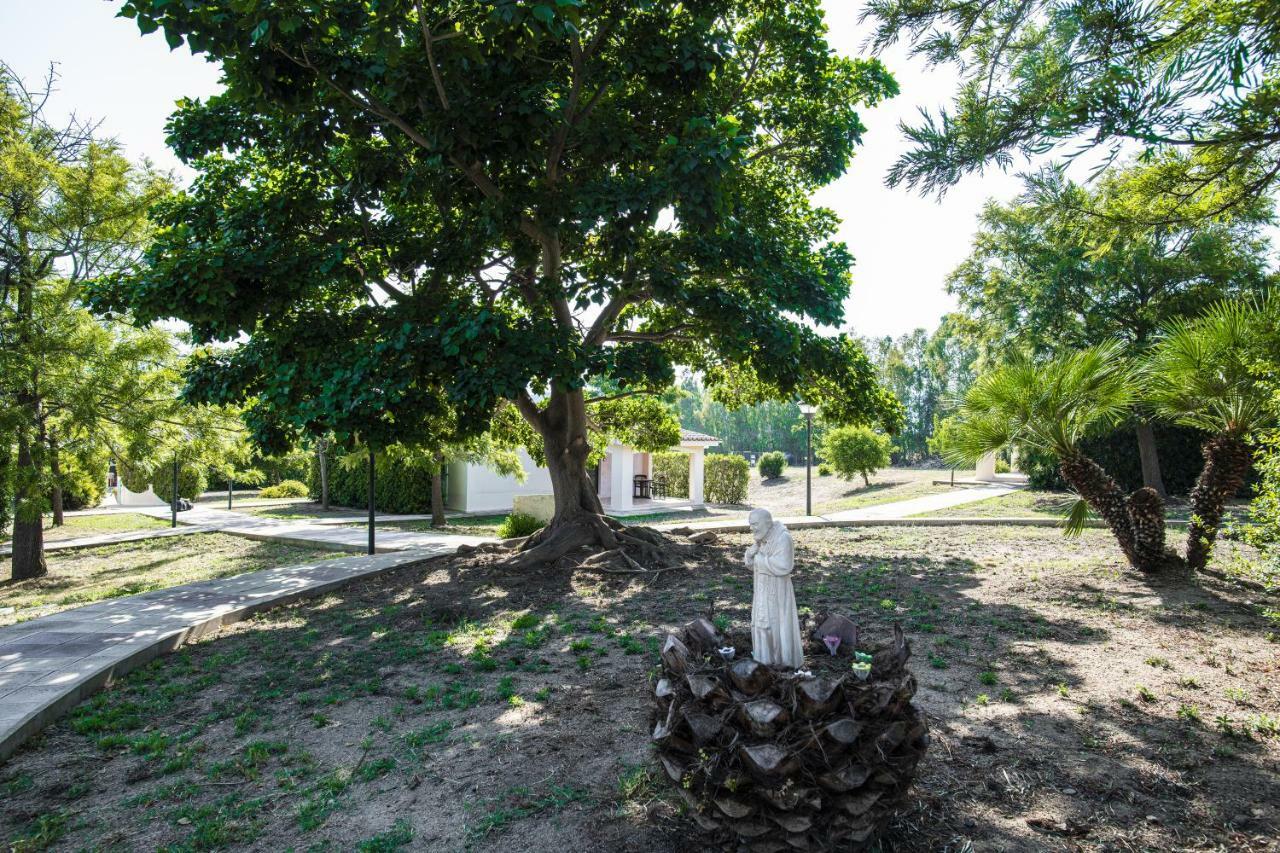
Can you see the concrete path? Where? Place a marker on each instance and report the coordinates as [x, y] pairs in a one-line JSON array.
[[895, 512], [49, 664], [326, 533]]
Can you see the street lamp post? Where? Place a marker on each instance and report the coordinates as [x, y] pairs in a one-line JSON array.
[[808, 412], [372, 547], [173, 503]]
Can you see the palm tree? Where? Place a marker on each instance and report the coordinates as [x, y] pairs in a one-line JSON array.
[[1200, 374], [1051, 406]]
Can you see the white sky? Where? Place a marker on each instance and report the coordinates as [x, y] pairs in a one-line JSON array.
[[904, 244]]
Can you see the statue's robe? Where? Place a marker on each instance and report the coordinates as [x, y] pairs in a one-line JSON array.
[[775, 623]]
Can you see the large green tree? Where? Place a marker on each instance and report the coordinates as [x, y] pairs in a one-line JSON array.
[[1066, 266], [71, 208], [1200, 77], [408, 207]]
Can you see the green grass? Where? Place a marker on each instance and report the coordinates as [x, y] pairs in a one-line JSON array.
[[1028, 503], [879, 493], [81, 526], [96, 574]]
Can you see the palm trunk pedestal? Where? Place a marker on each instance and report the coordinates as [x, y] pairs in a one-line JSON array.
[[768, 759]]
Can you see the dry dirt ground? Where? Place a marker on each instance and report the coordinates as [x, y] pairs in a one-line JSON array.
[[457, 705]]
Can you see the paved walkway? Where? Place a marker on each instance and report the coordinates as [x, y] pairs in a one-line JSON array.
[[49, 664], [895, 512], [322, 533]]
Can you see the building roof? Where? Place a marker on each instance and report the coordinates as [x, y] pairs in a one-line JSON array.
[[688, 436]]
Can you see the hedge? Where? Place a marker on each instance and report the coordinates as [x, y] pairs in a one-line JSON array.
[[1117, 452], [675, 468], [726, 477], [400, 487], [191, 482]]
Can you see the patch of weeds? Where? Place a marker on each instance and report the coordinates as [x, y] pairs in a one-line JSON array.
[[721, 621], [1145, 694], [937, 661], [322, 799], [246, 722], [543, 694], [506, 688], [226, 822], [1265, 725], [1238, 695], [983, 699], [452, 668], [525, 621], [434, 733], [584, 662], [1006, 695], [988, 678], [1189, 683], [41, 833], [517, 804], [630, 645], [1158, 663], [581, 646], [1062, 690], [1190, 713], [376, 769], [18, 784], [399, 835], [636, 784]]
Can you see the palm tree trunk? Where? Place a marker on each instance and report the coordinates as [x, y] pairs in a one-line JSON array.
[[1226, 463], [1137, 521]]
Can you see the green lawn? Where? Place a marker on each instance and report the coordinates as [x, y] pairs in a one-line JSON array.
[[1027, 503], [93, 574], [80, 526], [879, 493], [469, 525]]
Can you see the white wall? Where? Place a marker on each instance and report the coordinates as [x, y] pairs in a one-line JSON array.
[[475, 488]]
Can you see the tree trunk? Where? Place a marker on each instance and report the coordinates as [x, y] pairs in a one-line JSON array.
[[55, 472], [1150, 458], [28, 522], [1226, 463], [579, 518], [323, 449], [1137, 521], [437, 493]]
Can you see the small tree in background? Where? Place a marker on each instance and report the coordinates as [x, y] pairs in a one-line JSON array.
[[772, 464], [856, 450]]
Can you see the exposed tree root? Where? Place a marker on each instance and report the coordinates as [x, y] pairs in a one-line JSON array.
[[603, 544]]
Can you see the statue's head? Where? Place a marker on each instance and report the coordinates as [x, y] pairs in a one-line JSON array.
[[760, 520]]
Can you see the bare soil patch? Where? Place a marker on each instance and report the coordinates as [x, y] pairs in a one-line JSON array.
[[457, 704]]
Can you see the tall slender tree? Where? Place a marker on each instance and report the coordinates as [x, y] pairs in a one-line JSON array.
[[408, 206], [71, 208]]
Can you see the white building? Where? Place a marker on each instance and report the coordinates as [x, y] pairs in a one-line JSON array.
[[623, 478]]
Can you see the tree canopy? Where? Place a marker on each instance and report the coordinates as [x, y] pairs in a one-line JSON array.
[[413, 214], [1199, 77]]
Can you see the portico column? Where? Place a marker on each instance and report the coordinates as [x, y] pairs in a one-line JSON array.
[[621, 469], [696, 461], [986, 468]]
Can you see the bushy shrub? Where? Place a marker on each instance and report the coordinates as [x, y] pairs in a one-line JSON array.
[[726, 477], [400, 486], [294, 465], [84, 479], [518, 524], [192, 482], [856, 450], [772, 464], [135, 476], [674, 467], [286, 489], [825, 470]]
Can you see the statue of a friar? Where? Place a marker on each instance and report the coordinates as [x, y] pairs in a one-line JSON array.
[[775, 624]]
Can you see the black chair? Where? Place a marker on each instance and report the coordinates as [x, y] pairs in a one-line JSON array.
[[658, 487], [640, 486]]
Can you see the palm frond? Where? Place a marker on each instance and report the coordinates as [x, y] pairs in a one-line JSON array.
[[1073, 524]]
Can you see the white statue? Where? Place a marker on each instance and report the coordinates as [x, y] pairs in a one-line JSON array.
[[775, 624]]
